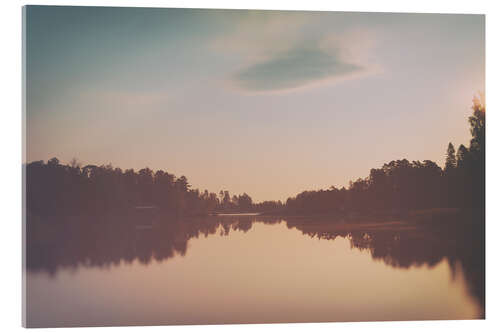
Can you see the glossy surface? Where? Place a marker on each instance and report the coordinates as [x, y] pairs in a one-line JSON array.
[[242, 269]]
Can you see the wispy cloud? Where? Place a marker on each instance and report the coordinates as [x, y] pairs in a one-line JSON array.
[[295, 68], [256, 34], [288, 51]]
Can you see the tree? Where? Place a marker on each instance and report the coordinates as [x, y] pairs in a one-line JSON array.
[[476, 156], [225, 200], [53, 161], [477, 125], [462, 156], [451, 160], [244, 202]]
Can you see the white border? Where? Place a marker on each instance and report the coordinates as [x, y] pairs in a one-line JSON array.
[[10, 131]]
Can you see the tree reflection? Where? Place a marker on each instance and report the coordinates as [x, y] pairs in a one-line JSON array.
[[460, 242], [107, 241], [103, 241]]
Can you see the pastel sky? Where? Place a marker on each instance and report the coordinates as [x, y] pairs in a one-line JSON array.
[[270, 103]]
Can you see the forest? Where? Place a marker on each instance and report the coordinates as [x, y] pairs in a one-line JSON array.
[[398, 187]]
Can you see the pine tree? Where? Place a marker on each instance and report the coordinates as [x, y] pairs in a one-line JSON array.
[[451, 159], [461, 156]]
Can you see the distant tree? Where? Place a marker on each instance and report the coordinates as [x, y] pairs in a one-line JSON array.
[[221, 196], [234, 200], [226, 200], [475, 170], [477, 125], [451, 159], [53, 162], [462, 155], [244, 202]]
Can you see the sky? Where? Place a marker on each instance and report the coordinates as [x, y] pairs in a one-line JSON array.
[[270, 103]]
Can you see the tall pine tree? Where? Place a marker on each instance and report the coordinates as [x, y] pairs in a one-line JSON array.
[[451, 159]]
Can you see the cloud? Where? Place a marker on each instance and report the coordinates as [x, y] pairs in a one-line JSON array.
[[257, 33], [295, 68], [281, 51]]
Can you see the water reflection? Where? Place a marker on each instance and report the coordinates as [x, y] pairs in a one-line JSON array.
[[405, 246], [108, 241]]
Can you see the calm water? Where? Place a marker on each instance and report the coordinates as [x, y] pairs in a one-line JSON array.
[[241, 270]]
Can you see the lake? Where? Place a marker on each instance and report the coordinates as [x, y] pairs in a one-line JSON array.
[[245, 269]]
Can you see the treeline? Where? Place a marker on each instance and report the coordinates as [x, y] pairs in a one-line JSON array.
[[397, 187], [244, 204], [400, 186], [53, 188], [56, 189]]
